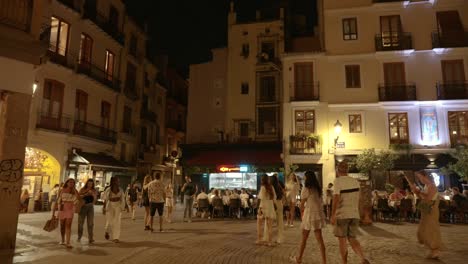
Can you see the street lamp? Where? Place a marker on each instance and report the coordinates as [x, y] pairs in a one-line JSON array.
[[338, 127]]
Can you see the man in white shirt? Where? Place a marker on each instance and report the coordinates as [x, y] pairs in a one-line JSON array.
[[157, 197], [345, 212]]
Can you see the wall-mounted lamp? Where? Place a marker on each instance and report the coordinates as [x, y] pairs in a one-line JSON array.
[[34, 87], [338, 126]]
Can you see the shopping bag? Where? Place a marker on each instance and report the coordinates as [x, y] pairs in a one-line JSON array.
[[51, 224]]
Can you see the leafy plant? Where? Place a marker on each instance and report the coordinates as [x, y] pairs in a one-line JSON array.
[[370, 160], [461, 166], [406, 148]]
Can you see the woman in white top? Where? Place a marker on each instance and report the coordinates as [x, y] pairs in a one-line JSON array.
[[312, 214], [292, 190], [66, 206], [169, 202], [266, 210], [113, 206]]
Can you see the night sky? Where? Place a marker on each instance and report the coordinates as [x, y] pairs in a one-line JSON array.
[[186, 30]]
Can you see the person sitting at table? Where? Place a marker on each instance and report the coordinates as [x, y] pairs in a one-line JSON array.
[[202, 196], [394, 199]]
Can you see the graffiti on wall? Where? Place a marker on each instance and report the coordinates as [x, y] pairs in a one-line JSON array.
[[11, 174]]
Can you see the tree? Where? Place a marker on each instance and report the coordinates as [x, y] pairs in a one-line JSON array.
[[461, 166], [366, 162]]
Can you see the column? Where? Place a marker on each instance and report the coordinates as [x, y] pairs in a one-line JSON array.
[[14, 118]]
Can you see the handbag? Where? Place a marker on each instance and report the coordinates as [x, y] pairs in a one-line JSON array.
[[78, 204], [51, 224]]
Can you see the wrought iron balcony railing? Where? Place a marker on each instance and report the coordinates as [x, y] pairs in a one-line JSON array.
[[388, 41], [450, 39], [452, 90], [148, 115], [131, 93], [93, 131], [50, 122], [302, 144], [176, 125], [72, 4], [105, 24], [305, 91], [99, 75], [397, 92], [16, 14]]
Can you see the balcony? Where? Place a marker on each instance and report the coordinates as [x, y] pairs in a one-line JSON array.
[[131, 93], [452, 90], [129, 129], [55, 123], [148, 115], [304, 145], [72, 4], [265, 59], [16, 14], [451, 39], [305, 91], [57, 58], [397, 92], [105, 24], [96, 132], [99, 75], [391, 41], [176, 125]]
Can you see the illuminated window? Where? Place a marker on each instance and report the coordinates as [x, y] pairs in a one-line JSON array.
[[109, 65], [86, 48], [398, 128], [304, 121], [458, 127], [355, 123], [350, 29], [58, 36]]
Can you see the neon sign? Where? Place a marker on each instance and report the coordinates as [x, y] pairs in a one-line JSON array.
[[230, 168]]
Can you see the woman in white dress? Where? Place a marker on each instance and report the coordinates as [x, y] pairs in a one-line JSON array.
[[313, 217], [169, 202], [266, 210], [113, 206], [292, 190]]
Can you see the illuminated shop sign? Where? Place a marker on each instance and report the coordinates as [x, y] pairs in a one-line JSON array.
[[231, 168]]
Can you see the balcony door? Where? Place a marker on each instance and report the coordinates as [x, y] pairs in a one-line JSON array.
[[52, 104], [395, 81], [390, 30], [453, 71], [450, 28], [86, 48], [304, 81], [458, 127]]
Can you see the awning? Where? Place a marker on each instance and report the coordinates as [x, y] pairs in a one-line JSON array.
[[100, 161], [248, 155]]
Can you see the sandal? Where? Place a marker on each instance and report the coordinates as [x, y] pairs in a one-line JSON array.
[[69, 246], [294, 259]]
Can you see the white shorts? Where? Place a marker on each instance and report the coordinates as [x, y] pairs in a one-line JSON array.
[[169, 202]]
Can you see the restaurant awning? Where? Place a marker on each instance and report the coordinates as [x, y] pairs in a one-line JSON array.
[[251, 154], [100, 161]]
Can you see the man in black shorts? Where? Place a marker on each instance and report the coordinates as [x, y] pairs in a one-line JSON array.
[[157, 196]]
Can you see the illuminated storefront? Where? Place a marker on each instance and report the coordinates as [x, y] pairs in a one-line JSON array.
[[41, 171]]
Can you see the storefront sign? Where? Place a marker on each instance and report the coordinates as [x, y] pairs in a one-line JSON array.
[[340, 145], [231, 168], [429, 126]]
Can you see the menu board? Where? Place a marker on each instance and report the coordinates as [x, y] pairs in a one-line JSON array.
[[233, 180]]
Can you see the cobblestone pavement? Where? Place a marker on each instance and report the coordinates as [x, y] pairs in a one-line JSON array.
[[218, 241]]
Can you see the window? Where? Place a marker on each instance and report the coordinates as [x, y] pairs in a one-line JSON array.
[[109, 68], [304, 121], [127, 119], [267, 89], [353, 76], [105, 114], [86, 47], [144, 136], [390, 29], [355, 123], [147, 80], [131, 77], [123, 152], [113, 16], [458, 127], [244, 129], [58, 36], [453, 71], [350, 29], [398, 125], [132, 49], [267, 51], [52, 101], [245, 50], [81, 105], [267, 121], [304, 88], [245, 88], [158, 134], [394, 73]]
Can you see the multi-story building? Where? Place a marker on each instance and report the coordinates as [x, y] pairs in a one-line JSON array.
[[24, 40], [93, 112], [391, 73]]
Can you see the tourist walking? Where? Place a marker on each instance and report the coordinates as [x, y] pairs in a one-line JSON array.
[[114, 204], [132, 199], [279, 191], [266, 210], [292, 190], [53, 196], [66, 207], [312, 215], [329, 200], [345, 213], [189, 190], [169, 202], [89, 195], [157, 197], [429, 227], [148, 178]]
